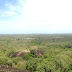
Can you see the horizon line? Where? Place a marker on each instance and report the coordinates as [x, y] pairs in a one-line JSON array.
[[31, 33]]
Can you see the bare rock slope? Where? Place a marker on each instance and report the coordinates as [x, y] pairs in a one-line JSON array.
[[21, 53]]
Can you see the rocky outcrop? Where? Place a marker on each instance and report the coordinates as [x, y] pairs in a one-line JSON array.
[[21, 53], [38, 53], [24, 52]]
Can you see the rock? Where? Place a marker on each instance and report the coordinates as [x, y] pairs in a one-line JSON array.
[[38, 53], [21, 53]]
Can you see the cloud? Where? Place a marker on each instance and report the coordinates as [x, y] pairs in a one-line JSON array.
[[9, 13], [53, 11], [40, 15], [13, 9], [49, 15]]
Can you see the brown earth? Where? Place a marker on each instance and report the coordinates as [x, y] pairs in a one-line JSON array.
[[5, 68]]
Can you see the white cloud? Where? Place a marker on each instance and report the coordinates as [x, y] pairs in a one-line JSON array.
[[9, 13], [14, 9], [53, 11], [42, 15]]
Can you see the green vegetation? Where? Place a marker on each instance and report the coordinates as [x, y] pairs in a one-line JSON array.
[[56, 57]]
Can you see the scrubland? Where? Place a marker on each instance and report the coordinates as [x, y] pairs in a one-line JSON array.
[[56, 51]]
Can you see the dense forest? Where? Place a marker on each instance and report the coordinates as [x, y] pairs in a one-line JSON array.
[[37, 52]]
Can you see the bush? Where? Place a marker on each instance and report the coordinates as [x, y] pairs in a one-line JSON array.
[[63, 63], [21, 65], [32, 52], [31, 65], [10, 52], [28, 56], [16, 60], [68, 46], [5, 61]]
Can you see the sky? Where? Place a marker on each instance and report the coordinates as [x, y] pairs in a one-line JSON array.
[[35, 16]]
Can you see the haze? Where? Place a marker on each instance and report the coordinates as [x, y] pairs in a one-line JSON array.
[[35, 16]]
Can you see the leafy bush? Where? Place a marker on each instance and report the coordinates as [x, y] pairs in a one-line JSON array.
[[63, 63], [21, 65], [16, 60], [46, 66], [32, 52], [31, 65], [28, 56], [10, 52], [5, 61], [68, 46]]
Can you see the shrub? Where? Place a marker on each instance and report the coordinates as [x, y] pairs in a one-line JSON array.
[[10, 52], [21, 65], [5, 61], [32, 52], [16, 60], [28, 56], [31, 65]]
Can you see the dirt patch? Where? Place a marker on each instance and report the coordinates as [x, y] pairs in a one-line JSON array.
[[5, 68]]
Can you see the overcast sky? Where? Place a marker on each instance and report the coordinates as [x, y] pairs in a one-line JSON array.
[[35, 16]]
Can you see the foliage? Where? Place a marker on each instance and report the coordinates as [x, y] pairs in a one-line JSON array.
[[57, 52], [21, 65], [28, 56], [31, 65], [16, 60], [10, 52], [5, 61], [32, 52]]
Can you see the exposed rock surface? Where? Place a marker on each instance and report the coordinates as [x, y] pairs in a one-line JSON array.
[[38, 53], [21, 53], [24, 52]]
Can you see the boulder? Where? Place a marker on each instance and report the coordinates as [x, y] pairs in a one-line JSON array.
[[21, 53], [38, 53]]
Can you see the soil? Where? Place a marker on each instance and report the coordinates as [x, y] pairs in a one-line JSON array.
[[5, 68]]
